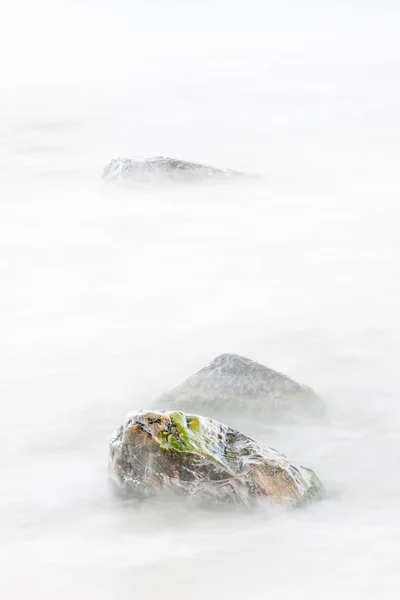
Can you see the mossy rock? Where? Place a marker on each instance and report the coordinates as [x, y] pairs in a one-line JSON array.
[[231, 383], [156, 452]]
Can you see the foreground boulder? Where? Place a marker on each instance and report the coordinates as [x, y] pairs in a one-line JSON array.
[[232, 383], [156, 452], [148, 169]]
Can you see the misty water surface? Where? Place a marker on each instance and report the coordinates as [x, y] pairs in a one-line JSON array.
[[109, 297]]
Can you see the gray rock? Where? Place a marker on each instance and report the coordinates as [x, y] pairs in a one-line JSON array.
[[158, 452], [231, 383], [153, 169]]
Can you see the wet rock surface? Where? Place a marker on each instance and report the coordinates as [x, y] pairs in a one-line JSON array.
[[157, 452], [153, 169], [232, 383]]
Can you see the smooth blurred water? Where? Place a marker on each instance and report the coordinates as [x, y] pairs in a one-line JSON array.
[[109, 297]]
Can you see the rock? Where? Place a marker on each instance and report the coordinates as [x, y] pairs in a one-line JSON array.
[[157, 452], [152, 169], [232, 383]]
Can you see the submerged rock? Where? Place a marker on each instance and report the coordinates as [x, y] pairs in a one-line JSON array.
[[233, 383], [148, 169], [156, 452]]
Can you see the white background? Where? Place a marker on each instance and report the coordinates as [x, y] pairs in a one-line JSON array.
[[110, 297]]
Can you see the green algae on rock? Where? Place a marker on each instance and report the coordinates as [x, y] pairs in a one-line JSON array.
[[233, 383], [158, 451]]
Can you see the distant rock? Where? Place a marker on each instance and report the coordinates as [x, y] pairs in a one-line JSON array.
[[157, 452], [161, 169], [232, 383]]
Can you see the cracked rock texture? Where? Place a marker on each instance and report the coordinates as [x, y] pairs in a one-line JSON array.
[[157, 452]]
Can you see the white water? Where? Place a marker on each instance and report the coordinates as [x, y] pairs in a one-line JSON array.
[[108, 298]]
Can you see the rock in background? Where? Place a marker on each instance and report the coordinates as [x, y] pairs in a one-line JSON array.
[[161, 169], [231, 384]]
